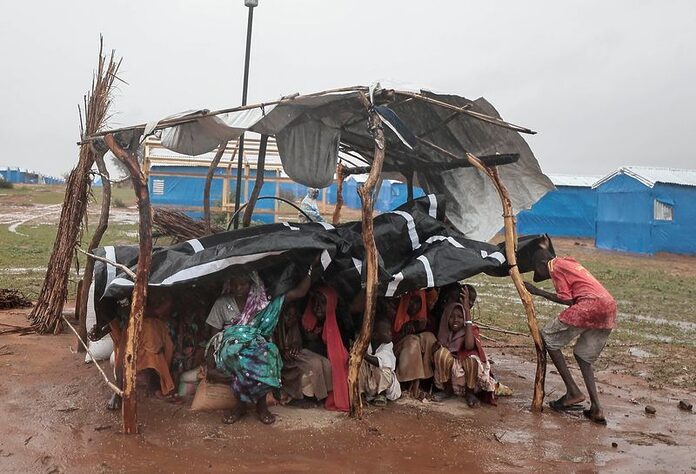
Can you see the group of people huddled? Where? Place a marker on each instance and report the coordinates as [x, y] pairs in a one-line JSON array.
[[295, 346]]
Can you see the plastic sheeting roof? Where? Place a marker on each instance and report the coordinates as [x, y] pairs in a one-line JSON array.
[[310, 129], [649, 176]]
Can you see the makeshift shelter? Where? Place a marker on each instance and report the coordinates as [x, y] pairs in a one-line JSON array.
[[647, 210], [432, 140], [568, 211]]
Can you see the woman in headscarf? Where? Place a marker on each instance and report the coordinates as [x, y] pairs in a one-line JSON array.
[[413, 345], [321, 333], [243, 348], [461, 365]]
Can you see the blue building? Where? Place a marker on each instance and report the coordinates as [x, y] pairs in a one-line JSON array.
[[23, 176], [647, 210], [392, 193], [568, 211]]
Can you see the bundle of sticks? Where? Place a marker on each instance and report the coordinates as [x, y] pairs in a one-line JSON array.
[[179, 226], [10, 299]]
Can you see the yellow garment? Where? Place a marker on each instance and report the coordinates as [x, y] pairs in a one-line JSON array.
[[415, 357]]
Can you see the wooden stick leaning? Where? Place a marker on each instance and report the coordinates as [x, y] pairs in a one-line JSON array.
[[500, 330], [208, 182], [511, 256], [121, 267], [113, 387]]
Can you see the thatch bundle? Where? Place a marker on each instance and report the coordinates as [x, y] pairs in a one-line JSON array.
[[46, 315], [179, 226], [10, 299]]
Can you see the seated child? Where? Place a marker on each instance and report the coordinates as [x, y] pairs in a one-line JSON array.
[[306, 375], [461, 366], [377, 380], [413, 344]]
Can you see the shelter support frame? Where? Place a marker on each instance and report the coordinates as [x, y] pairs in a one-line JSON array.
[[367, 198], [139, 297]]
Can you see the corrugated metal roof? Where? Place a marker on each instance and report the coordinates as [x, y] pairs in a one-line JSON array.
[[573, 180], [649, 175]]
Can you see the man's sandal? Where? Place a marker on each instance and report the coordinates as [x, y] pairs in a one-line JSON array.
[[559, 406], [600, 420]]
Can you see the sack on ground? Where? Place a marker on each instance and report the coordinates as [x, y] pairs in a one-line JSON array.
[[213, 396], [102, 348]]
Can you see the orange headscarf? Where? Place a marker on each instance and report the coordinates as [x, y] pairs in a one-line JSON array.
[[338, 355], [402, 316]]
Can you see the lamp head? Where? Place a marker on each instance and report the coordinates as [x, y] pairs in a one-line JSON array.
[[251, 3]]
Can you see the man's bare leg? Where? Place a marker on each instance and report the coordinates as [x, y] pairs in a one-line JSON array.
[[415, 388], [573, 394], [595, 413]]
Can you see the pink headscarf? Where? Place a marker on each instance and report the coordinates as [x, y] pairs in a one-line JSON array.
[[256, 300], [454, 341], [451, 340]]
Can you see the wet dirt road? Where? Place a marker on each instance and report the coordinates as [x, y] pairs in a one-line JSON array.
[[52, 419]]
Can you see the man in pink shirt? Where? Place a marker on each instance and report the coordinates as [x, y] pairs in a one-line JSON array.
[[590, 317]]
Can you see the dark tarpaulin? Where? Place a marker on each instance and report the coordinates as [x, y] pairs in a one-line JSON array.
[[417, 250]]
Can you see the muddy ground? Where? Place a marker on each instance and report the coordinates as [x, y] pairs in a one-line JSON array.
[[52, 419]]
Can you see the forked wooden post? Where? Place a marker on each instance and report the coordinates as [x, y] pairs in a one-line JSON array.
[[208, 180], [366, 192], [258, 182], [511, 256], [340, 177], [139, 296]]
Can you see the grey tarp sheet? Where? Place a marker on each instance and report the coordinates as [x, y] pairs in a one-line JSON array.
[[308, 131]]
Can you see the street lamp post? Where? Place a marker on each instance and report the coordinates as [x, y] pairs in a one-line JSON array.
[[240, 159]]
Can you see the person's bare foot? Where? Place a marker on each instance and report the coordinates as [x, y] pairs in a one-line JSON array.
[[114, 403], [266, 417], [415, 390], [304, 403], [472, 400], [235, 414]]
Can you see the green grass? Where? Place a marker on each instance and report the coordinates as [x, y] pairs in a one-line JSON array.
[[27, 194], [31, 253]]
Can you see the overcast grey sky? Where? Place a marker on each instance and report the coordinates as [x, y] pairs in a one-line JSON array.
[[605, 83]]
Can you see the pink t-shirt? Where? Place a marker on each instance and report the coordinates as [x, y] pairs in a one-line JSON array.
[[593, 306]]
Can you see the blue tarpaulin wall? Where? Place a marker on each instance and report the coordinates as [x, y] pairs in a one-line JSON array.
[[568, 211], [187, 191], [626, 217], [392, 194]]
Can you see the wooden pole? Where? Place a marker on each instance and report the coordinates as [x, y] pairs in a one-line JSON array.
[[139, 297], [527, 302], [258, 182], [409, 183], [340, 177], [208, 180], [94, 243], [366, 192]]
